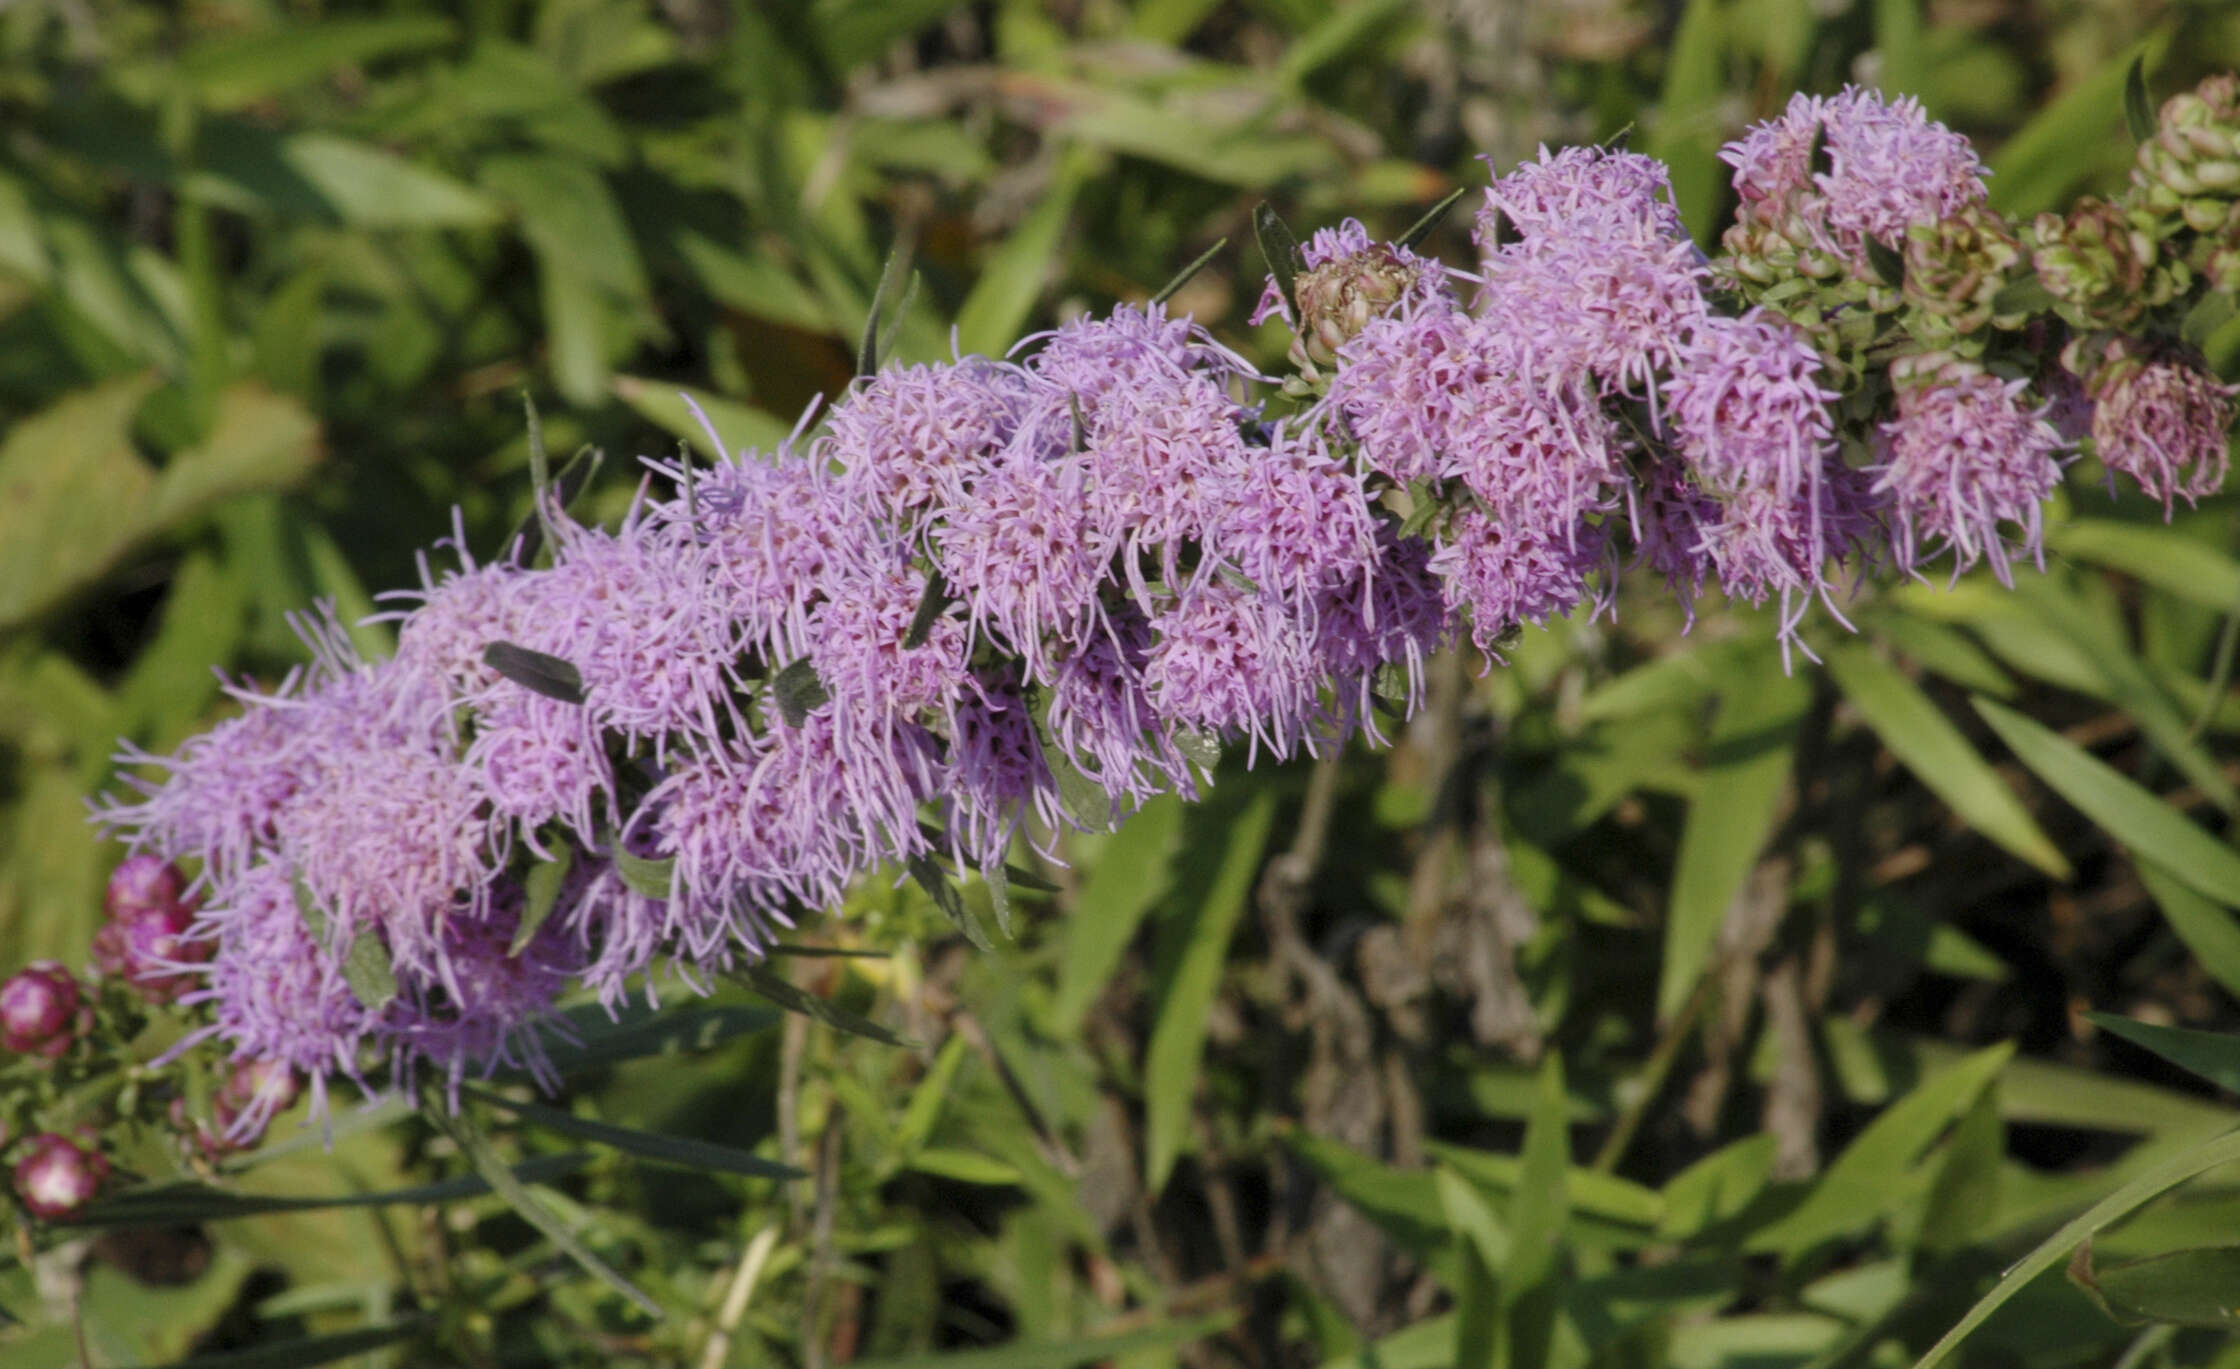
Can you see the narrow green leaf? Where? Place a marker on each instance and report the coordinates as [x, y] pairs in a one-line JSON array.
[[2169, 1174], [644, 874], [1279, 247], [1422, 228], [676, 409], [793, 998], [1538, 1211], [1540, 1203], [1093, 1348], [2168, 560], [369, 187], [2027, 295], [367, 969], [2152, 829], [1691, 123], [2186, 1287], [1199, 748], [1178, 1035], [2138, 108], [313, 1350], [1888, 263], [1404, 1203], [682, 1151], [638, 1031], [242, 68], [2071, 142], [1128, 878], [536, 671], [1963, 1202], [798, 691], [186, 1203], [540, 894], [930, 604], [1478, 1320], [1342, 30], [1013, 277], [867, 351], [997, 878], [1471, 1218], [1183, 277], [1747, 766], [927, 873], [2215, 1056], [965, 1167], [467, 1135], [2208, 931], [1918, 733], [1862, 1183]]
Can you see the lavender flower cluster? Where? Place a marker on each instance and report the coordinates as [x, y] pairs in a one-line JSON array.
[[995, 596]]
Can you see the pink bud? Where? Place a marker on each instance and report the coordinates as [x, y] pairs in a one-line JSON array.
[[146, 948], [39, 1010], [59, 1176], [143, 883]]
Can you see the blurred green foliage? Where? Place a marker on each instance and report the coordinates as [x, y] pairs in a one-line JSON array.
[[1646, 1004]]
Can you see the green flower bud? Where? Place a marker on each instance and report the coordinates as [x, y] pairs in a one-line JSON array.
[[2189, 171], [1955, 269], [2095, 262]]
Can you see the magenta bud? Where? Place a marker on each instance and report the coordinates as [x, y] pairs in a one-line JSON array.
[[144, 883], [147, 949], [39, 1010], [59, 1176]]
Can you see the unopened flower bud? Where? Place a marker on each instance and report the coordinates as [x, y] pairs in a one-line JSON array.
[[143, 883], [1955, 269], [2094, 262], [40, 1010], [147, 950], [2190, 169], [58, 1176], [1339, 298]]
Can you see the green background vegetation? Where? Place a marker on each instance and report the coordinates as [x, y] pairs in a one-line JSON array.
[[1644, 1005]]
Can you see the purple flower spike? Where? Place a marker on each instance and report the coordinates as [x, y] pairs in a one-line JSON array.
[[40, 1010]]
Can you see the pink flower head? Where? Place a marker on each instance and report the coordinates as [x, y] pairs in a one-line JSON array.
[[1020, 556], [1964, 455], [1402, 386], [912, 437], [40, 1010], [1508, 574], [769, 530], [1751, 423], [2165, 422], [1889, 167], [57, 1176], [275, 992], [1587, 267], [1232, 660]]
